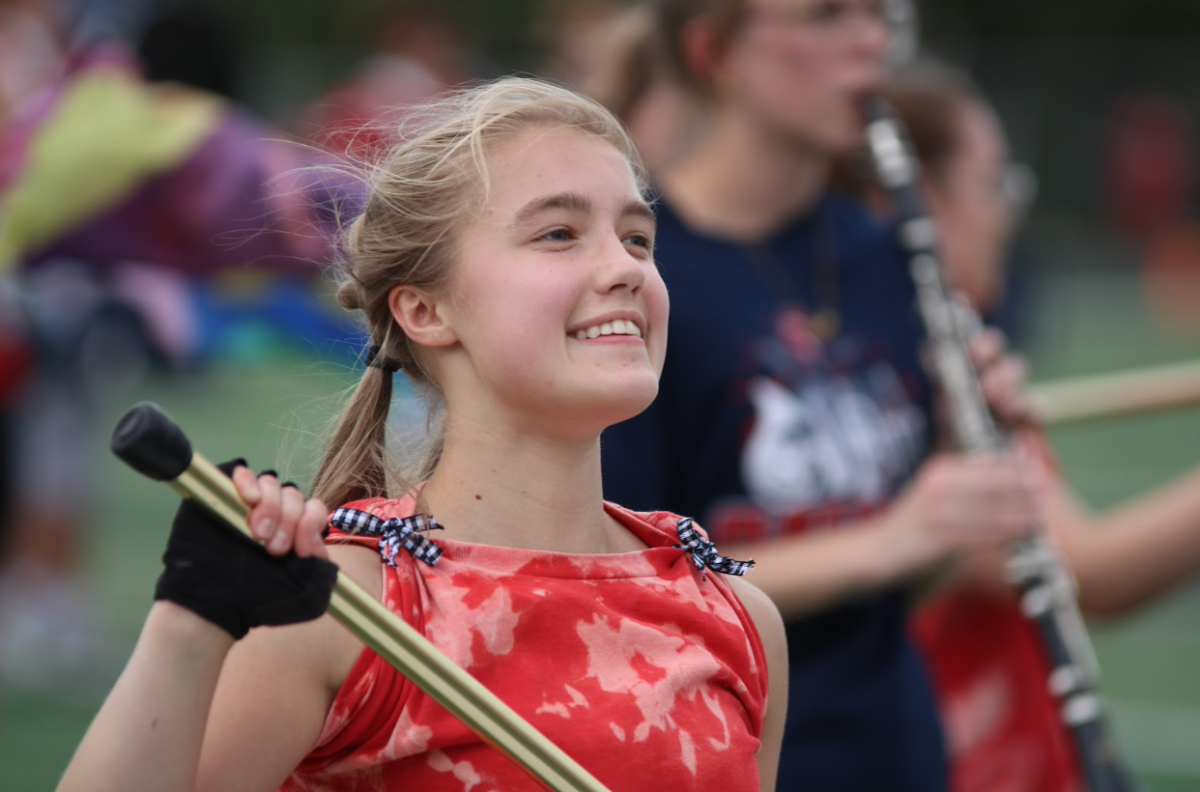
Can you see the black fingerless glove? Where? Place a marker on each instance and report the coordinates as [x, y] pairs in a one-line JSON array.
[[230, 580]]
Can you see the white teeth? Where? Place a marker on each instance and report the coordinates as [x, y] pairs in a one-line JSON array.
[[615, 327]]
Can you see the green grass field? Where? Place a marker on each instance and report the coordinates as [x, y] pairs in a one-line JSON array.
[[254, 413], [1148, 658]]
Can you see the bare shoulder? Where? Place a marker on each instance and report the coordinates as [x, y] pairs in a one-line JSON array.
[[770, 629], [769, 622], [360, 564], [760, 607]]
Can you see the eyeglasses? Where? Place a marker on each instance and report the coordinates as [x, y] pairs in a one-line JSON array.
[[825, 14], [1019, 187]]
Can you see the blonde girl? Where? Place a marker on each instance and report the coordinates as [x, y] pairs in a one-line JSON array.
[[504, 261]]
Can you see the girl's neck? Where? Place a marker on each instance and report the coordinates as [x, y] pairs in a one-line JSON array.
[[518, 492], [742, 181]]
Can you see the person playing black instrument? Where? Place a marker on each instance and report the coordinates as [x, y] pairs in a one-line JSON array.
[[794, 414], [987, 665]]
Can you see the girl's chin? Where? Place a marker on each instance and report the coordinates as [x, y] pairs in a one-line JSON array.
[[619, 408], [847, 139], [632, 408], [581, 416]]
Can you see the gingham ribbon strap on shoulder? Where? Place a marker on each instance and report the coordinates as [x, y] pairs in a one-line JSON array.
[[704, 553], [394, 533]]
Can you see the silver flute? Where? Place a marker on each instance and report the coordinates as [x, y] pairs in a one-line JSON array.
[[1034, 567]]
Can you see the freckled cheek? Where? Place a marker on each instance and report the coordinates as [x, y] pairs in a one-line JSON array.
[[538, 324]]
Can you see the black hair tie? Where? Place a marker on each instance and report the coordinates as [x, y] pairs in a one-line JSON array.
[[386, 365]]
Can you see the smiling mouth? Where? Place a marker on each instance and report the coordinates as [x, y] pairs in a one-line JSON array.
[[615, 327]]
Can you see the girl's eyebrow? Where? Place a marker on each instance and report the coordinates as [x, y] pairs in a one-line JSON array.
[[639, 209], [575, 202]]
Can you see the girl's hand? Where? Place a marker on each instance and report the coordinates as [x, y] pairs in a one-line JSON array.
[[1003, 376], [960, 503], [222, 576], [280, 517]]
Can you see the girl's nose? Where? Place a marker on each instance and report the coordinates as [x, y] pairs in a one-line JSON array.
[[872, 36], [621, 268]]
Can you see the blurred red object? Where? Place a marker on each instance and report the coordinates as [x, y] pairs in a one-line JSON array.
[[1149, 163], [1170, 270], [16, 360], [417, 56]]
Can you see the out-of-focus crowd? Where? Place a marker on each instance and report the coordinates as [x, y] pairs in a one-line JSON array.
[[149, 220]]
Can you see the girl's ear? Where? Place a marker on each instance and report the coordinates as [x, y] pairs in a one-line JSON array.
[[419, 316]]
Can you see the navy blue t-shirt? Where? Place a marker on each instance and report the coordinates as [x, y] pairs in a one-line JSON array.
[[763, 428]]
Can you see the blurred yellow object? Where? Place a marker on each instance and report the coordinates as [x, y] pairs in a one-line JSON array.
[[1118, 393], [107, 135]]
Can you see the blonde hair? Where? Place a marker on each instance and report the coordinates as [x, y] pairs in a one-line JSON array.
[[431, 182]]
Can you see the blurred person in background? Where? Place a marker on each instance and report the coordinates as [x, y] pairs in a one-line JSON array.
[[1150, 199], [29, 58], [579, 39], [120, 201], [795, 420], [1003, 729], [416, 53]]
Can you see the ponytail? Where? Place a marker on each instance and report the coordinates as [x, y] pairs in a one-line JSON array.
[[354, 465]]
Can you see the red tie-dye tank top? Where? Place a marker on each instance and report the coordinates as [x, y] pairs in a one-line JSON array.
[[648, 673]]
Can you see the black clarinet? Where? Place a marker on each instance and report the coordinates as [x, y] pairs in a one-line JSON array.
[[1047, 589]]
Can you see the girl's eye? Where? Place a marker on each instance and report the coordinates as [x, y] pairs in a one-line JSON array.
[[638, 240], [833, 12], [557, 235], [826, 12]]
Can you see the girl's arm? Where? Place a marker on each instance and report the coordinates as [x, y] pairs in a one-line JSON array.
[[195, 711], [1126, 556], [954, 504], [148, 733], [194, 706], [276, 690], [770, 629]]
